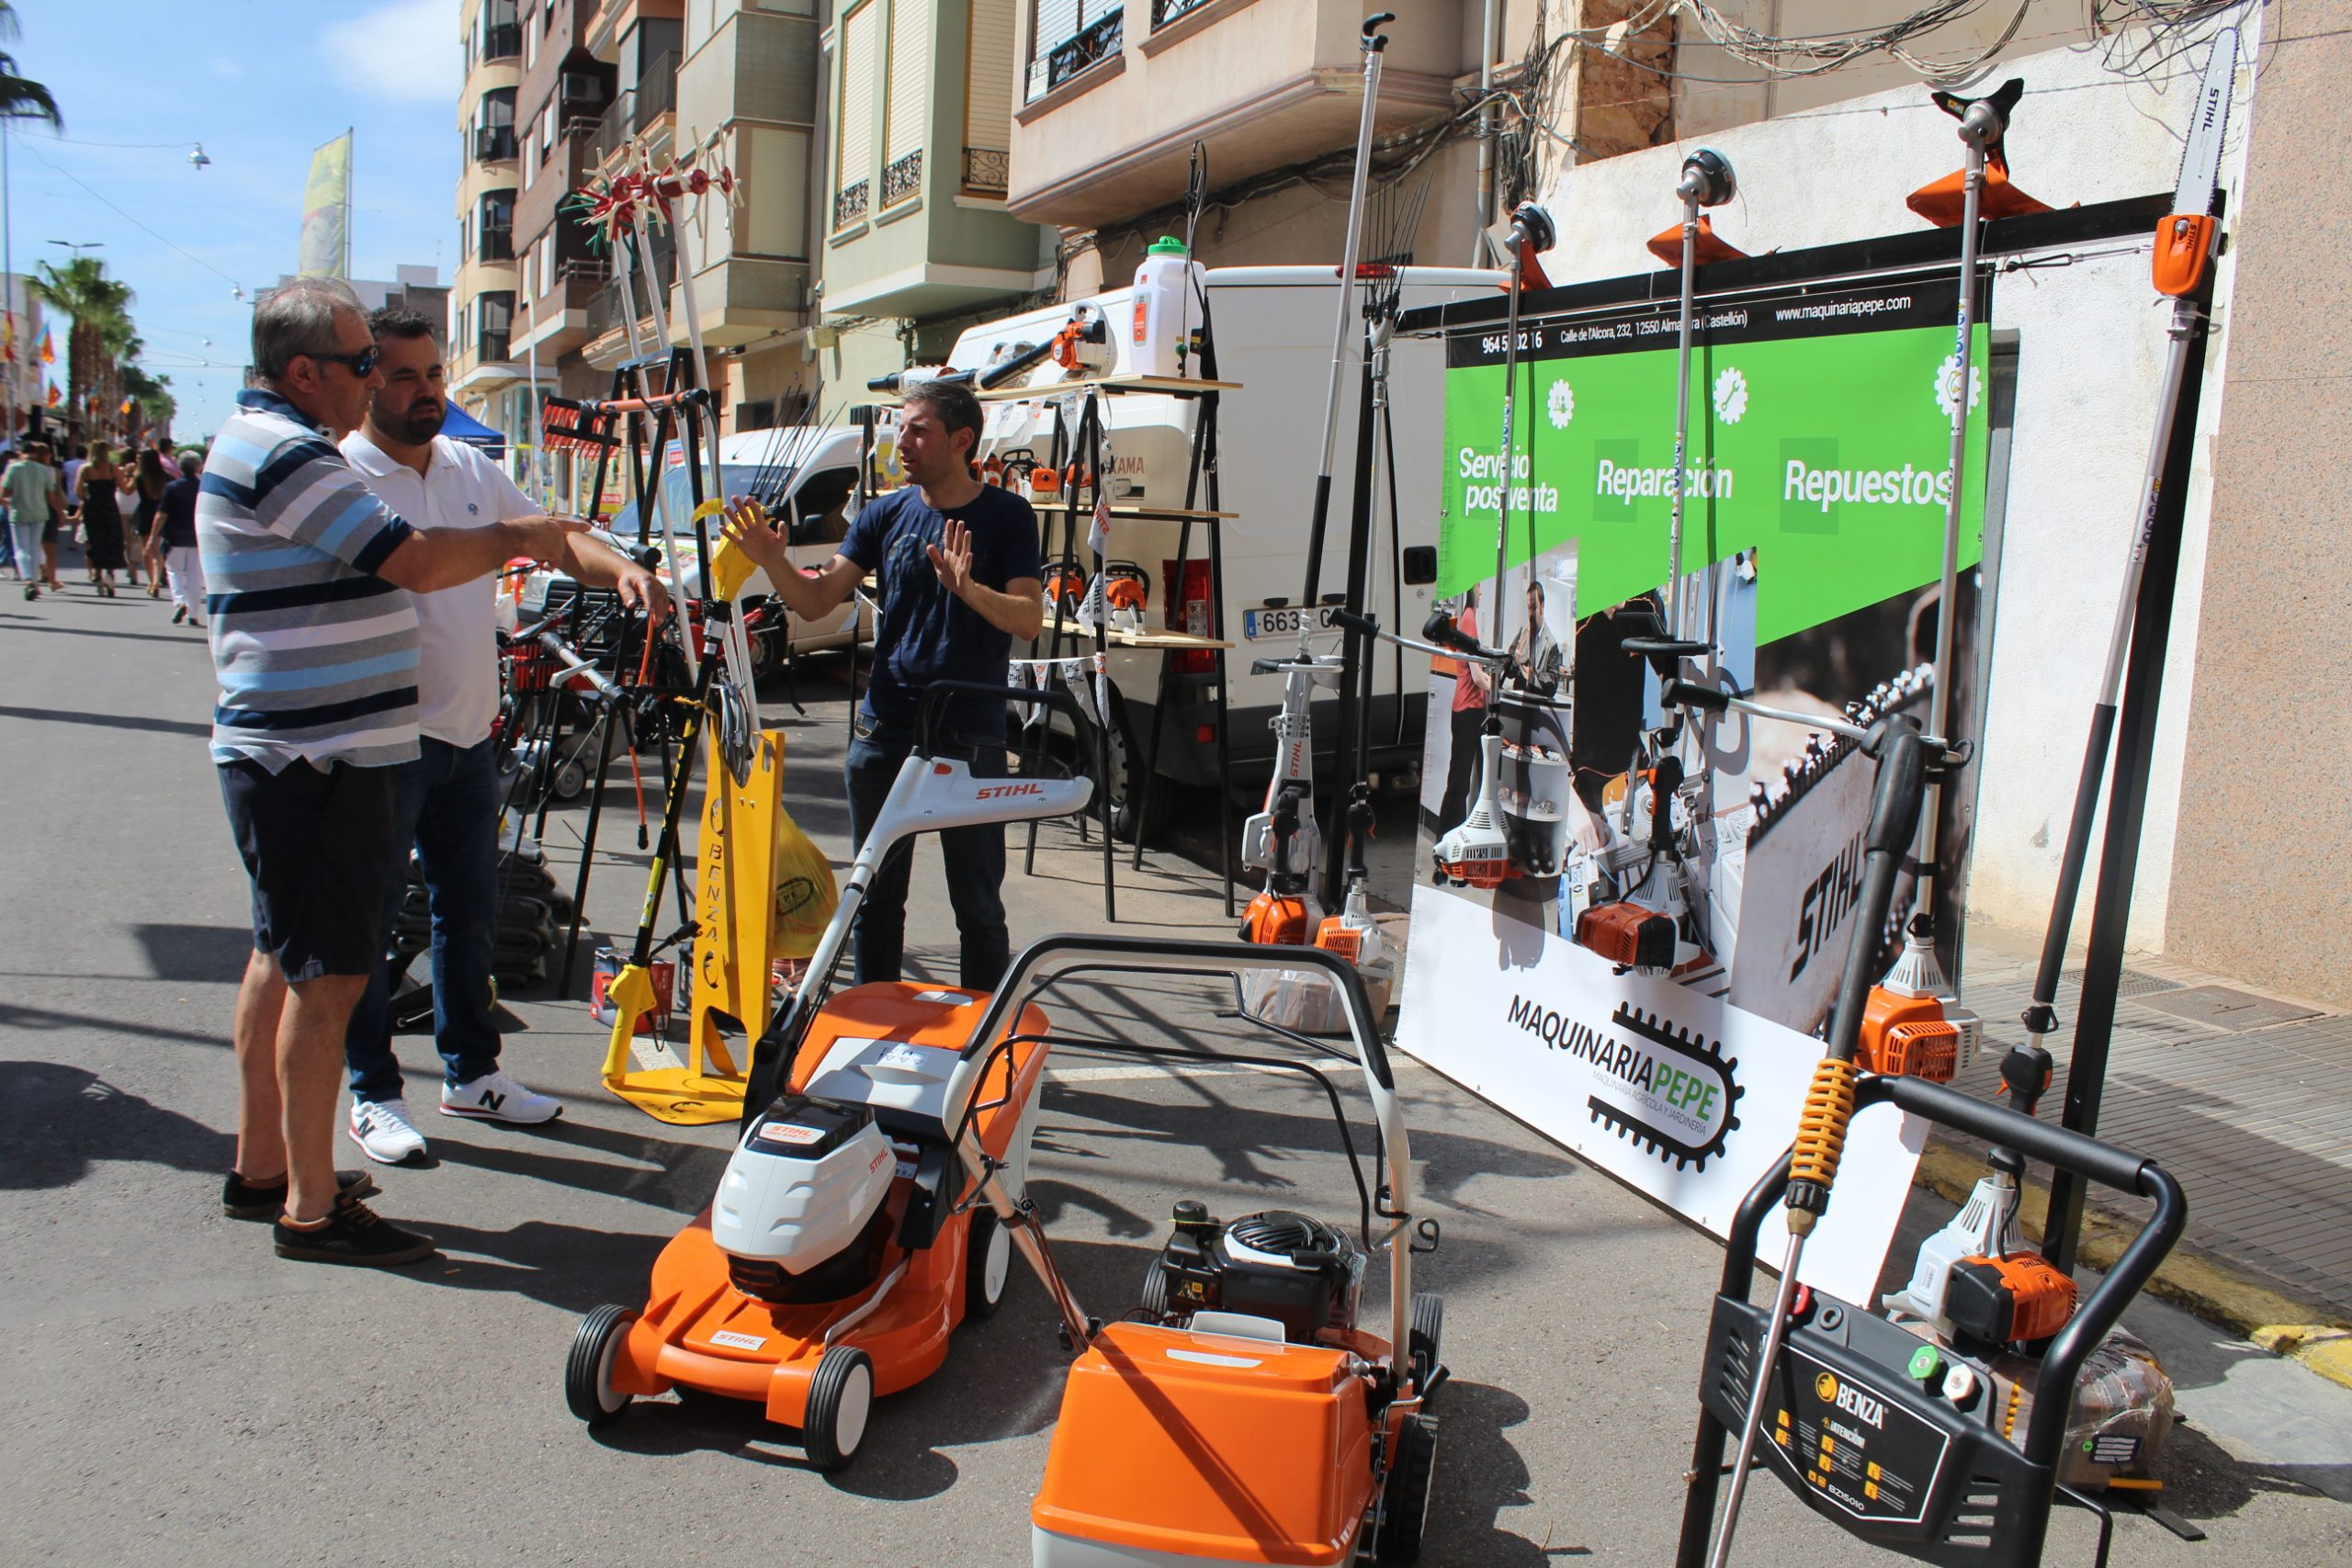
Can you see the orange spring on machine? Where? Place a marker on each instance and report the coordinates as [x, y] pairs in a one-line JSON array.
[[1821, 1138]]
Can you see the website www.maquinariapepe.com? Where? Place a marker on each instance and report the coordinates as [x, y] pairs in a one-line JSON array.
[[1828, 310]]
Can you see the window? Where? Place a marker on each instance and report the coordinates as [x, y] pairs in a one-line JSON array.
[[547, 128], [907, 111], [545, 252], [859, 31], [502, 38], [988, 98], [493, 320], [495, 126], [530, 47], [495, 229], [1071, 35]]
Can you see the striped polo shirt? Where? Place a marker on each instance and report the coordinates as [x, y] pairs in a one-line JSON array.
[[316, 655]]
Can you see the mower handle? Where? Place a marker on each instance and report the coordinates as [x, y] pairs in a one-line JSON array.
[[573, 664], [936, 696]]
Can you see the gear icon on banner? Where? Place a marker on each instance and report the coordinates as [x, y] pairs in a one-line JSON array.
[[1948, 375], [1561, 404], [1731, 395]]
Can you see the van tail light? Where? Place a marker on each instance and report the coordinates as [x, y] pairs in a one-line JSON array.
[[1189, 605]]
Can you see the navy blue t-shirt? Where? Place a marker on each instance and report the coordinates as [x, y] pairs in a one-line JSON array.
[[926, 633]]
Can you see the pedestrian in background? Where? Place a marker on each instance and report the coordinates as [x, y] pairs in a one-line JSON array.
[[176, 536], [101, 482], [27, 482], [148, 480]]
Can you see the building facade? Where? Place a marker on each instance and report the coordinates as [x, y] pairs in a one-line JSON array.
[[482, 297]]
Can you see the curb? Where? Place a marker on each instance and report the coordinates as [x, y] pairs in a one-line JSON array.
[[2192, 1279]]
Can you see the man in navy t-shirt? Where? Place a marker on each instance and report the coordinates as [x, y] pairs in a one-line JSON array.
[[960, 581]]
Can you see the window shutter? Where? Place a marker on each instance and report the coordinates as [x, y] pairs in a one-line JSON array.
[[988, 95], [910, 75], [857, 95]]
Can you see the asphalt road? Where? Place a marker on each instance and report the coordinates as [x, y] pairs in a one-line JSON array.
[[177, 1394]]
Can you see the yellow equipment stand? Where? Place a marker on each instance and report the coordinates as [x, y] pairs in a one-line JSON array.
[[734, 914]]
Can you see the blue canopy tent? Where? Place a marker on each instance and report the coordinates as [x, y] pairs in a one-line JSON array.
[[460, 425]]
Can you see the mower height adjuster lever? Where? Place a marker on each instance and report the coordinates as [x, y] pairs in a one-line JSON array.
[[1427, 1234]]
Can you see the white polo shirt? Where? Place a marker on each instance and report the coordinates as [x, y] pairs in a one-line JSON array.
[[456, 678]]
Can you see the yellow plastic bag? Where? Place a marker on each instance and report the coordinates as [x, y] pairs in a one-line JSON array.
[[805, 894]]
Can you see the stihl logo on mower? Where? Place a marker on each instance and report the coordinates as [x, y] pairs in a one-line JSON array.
[[1001, 792]]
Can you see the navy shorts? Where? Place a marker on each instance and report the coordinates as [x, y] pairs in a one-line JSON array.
[[317, 844]]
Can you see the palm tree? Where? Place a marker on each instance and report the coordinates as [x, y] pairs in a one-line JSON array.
[[100, 307], [20, 96]]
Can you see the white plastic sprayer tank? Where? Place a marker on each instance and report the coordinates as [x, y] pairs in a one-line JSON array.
[[1167, 311]]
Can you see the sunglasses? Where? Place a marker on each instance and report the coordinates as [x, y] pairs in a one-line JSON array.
[[362, 364]]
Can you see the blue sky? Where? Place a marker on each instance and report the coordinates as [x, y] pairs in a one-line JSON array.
[[259, 83]]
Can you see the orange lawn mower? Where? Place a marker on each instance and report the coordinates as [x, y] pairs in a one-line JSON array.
[[843, 1245], [1247, 1409]]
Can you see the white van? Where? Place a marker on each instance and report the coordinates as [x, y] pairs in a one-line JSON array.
[[1272, 327], [808, 478]]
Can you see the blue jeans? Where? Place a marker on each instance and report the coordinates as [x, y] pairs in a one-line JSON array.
[[445, 803], [975, 858]]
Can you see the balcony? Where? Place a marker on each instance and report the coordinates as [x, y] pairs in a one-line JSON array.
[[902, 180], [493, 144], [849, 204], [986, 171], [1097, 41], [504, 41], [1264, 85], [637, 110]]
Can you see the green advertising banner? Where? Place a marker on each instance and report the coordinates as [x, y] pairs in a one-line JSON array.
[[1820, 435]]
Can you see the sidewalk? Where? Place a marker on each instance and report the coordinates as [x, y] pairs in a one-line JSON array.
[[2239, 1094]]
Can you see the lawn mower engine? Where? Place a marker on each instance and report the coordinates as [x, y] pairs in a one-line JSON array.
[[801, 1213], [1281, 1266]]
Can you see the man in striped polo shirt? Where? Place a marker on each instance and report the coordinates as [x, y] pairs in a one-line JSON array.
[[308, 579]]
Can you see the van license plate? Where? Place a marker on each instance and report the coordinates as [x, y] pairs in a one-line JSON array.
[[1259, 625]]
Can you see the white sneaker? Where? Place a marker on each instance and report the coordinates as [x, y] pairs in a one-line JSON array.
[[383, 1132], [494, 1096]]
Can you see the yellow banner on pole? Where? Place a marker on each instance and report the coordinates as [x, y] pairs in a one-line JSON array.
[[324, 249]]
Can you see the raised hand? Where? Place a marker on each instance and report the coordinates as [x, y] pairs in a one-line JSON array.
[[950, 559], [745, 526]]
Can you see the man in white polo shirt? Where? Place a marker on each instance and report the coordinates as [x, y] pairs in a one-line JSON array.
[[448, 799]]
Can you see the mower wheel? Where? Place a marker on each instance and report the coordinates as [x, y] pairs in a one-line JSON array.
[[1428, 1339], [588, 1370], [1405, 1501], [1155, 1293], [841, 1397], [988, 1264]]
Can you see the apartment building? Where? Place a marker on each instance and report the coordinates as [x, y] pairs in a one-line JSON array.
[[482, 296], [920, 238], [1111, 96], [564, 96]]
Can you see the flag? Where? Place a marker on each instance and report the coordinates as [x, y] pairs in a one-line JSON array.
[[55, 396], [8, 342], [47, 354], [325, 234], [129, 407]]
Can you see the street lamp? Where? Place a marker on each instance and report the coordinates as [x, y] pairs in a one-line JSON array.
[[78, 246]]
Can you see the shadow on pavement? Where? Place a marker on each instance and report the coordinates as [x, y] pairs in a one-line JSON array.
[[13, 1017], [191, 634], [1479, 1475], [109, 720], [56, 1121], [2203, 1481], [195, 953], [673, 1175]]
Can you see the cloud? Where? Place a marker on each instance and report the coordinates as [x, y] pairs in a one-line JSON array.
[[403, 49]]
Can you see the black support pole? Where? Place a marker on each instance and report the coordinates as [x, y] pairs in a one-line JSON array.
[[2126, 807]]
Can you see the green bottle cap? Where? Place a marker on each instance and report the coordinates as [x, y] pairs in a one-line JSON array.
[[1166, 245]]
